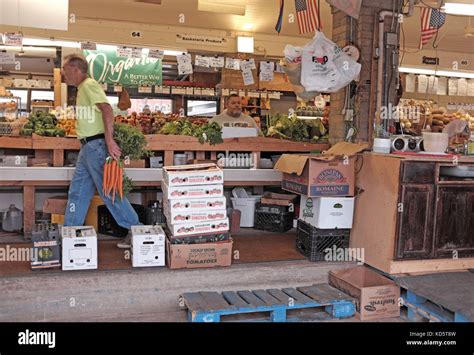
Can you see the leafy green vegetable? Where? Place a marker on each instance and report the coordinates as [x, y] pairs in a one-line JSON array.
[[207, 132], [132, 141]]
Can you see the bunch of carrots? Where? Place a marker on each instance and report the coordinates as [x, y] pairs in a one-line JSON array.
[[113, 178]]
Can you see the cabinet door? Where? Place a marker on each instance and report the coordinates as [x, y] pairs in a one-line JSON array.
[[415, 222], [454, 230]]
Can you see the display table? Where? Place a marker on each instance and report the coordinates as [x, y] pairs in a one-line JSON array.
[[411, 217]]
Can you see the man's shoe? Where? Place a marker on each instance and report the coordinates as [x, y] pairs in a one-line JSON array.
[[126, 243]]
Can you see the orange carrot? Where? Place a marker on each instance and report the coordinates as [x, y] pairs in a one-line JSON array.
[[106, 178], [120, 182], [111, 184]]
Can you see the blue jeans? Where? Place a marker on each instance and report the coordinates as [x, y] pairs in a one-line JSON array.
[[86, 180]]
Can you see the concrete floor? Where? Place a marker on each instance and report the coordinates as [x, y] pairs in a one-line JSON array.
[[141, 294]]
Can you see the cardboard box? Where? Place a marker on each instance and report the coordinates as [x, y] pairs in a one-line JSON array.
[[198, 191], [327, 212], [271, 198], [79, 248], [190, 256], [195, 204], [177, 217], [189, 175], [46, 254], [135, 164], [376, 296], [148, 246], [56, 205], [330, 174], [200, 238], [184, 229]]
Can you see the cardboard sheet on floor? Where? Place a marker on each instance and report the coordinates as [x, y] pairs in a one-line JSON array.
[[451, 290]]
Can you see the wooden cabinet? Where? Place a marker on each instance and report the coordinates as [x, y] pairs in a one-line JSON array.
[[415, 227], [454, 227]]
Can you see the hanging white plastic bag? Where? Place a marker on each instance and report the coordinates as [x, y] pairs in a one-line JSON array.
[[292, 67], [325, 67]]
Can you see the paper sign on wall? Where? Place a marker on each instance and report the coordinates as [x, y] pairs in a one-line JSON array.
[[432, 85], [462, 87], [104, 86], [442, 86], [208, 92], [124, 52], [117, 88], [198, 91], [274, 95], [248, 64], [225, 92], [178, 91], [202, 61], [453, 87], [422, 84], [13, 39], [88, 46], [162, 90], [190, 91], [410, 83], [217, 62], [470, 88], [7, 58], [248, 77], [254, 94], [266, 71], [231, 63], [136, 53], [156, 53], [184, 64], [144, 89], [242, 93]]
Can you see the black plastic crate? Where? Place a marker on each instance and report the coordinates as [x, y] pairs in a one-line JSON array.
[[274, 220], [261, 207], [108, 226], [312, 242], [154, 214]]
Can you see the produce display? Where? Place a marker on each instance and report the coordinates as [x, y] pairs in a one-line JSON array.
[[9, 106], [69, 126], [440, 118], [199, 128], [148, 123], [293, 128], [43, 124], [131, 141]]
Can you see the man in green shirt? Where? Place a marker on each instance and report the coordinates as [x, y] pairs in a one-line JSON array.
[[95, 129]]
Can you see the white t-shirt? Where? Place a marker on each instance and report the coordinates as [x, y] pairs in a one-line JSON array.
[[225, 120]]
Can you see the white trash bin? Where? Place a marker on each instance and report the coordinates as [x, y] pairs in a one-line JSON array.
[[246, 206]]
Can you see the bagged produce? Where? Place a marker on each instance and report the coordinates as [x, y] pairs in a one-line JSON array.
[[124, 100], [325, 67]]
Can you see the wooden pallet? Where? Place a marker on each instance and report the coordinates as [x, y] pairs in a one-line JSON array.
[[213, 306], [419, 306]]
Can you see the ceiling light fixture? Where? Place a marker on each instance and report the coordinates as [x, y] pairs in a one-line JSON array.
[[455, 8], [245, 44]]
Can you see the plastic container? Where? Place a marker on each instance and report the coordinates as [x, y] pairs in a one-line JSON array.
[[108, 226], [435, 142], [246, 206], [313, 243], [273, 218], [180, 159], [382, 145]]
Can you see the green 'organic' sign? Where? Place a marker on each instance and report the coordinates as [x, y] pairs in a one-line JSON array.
[[107, 67]]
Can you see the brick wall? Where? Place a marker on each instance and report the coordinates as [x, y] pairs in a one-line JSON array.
[[365, 37]]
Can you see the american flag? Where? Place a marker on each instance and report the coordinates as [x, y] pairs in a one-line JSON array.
[[307, 14], [431, 22]]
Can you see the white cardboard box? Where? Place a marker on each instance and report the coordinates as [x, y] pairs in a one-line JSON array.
[[186, 192], [195, 204], [187, 175], [327, 212], [79, 248], [194, 216], [148, 246], [239, 132], [181, 229]]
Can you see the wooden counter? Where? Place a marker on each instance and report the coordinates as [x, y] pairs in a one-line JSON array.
[[409, 218]]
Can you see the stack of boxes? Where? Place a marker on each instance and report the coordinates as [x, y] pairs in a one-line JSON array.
[[326, 184], [46, 247], [195, 209]]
